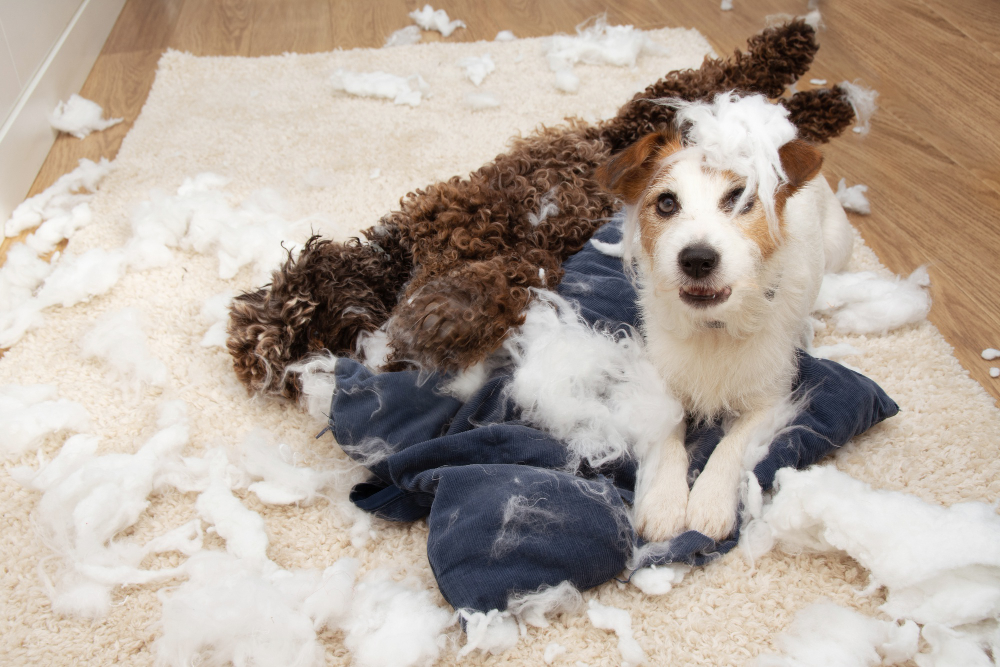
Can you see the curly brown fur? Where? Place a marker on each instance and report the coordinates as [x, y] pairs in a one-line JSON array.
[[819, 114], [323, 298], [465, 253]]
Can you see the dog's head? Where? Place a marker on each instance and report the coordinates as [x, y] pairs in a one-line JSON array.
[[704, 237]]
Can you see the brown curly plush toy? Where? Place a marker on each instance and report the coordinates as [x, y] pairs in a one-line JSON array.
[[451, 272]]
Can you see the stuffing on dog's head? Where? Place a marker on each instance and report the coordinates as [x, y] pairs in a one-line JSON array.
[[704, 202]]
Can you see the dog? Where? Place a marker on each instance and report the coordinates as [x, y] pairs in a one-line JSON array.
[[453, 270], [728, 265]]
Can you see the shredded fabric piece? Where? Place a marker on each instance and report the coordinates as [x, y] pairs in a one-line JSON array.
[[404, 37], [119, 340], [70, 189], [609, 249], [401, 90], [853, 198], [865, 303], [504, 36], [597, 43], [863, 101], [908, 545], [28, 413], [476, 69], [429, 19], [79, 116], [828, 635], [619, 621]]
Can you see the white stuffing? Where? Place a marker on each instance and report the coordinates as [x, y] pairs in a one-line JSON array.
[[375, 348], [836, 351], [429, 19], [593, 390], [862, 100], [828, 635], [727, 5], [467, 382], [28, 413], [950, 648], [619, 621], [59, 228], [200, 218], [242, 529], [73, 280], [547, 207], [401, 90], [229, 612], [534, 608], [21, 274], [741, 134], [318, 383], [818, 82], [813, 18], [659, 579], [609, 249], [994, 372], [504, 36], [375, 174], [491, 632], [552, 651], [597, 43], [567, 81], [990, 353], [482, 100], [215, 312], [79, 116], [476, 69], [88, 499], [866, 303], [70, 189], [392, 624], [938, 564], [853, 198], [119, 340], [404, 37], [281, 482]]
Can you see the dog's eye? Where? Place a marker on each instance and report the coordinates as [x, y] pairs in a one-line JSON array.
[[667, 204], [731, 199]]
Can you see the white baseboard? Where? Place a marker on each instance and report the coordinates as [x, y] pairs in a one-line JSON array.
[[26, 137]]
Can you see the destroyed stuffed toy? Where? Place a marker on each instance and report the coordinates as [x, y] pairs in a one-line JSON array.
[[452, 271]]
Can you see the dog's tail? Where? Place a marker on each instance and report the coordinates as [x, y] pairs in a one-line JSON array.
[[323, 298]]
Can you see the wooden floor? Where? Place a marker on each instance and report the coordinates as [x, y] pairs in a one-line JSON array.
[[932, 159]]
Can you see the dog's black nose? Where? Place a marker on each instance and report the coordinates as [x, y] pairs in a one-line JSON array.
[[698, 261]]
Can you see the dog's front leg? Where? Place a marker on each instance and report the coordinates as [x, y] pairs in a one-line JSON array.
[[714, 499], [661, 489]]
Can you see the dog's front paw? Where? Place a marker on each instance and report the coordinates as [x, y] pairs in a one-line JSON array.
[[660, 512], [712, 507]]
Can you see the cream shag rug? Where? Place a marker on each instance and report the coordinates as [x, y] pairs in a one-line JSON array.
[[276, 123]]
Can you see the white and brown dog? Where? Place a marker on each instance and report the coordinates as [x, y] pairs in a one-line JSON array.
[[730, 254]]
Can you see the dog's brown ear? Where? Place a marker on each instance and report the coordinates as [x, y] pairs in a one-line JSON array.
[[628, 173], [801, 162]]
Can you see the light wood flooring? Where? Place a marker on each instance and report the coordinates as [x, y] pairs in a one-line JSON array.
[[931, 160]]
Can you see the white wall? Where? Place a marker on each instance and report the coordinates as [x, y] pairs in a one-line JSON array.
[[29, 29], [48, 48]]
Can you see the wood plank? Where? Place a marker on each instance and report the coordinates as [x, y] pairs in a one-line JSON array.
[[976, 18], [214, 28], [144, 25], [291, 26]]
